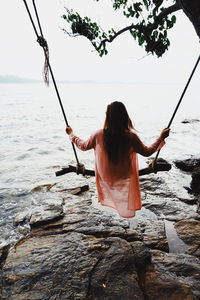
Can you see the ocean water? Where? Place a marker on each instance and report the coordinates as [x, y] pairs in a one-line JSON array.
[[34, 144]]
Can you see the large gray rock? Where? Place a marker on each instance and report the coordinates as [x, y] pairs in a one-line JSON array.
[[79, 256], [188, 165], [76, 251], [189, 231], [195, 183], [172, 277], [71, 266]]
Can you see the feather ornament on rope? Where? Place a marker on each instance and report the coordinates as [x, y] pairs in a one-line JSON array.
[[44, 45]]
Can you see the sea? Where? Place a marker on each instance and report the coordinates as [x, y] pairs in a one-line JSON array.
[[34, 144]]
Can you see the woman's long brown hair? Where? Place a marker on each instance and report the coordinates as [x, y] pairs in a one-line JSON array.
[[116, 132]]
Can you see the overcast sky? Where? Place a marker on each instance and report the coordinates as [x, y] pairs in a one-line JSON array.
[[75, 59]]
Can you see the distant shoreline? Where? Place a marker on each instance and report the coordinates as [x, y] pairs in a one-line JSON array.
[[8, 79], [16, 79]]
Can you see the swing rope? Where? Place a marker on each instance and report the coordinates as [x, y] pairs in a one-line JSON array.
[[179, 102], [47, 67]]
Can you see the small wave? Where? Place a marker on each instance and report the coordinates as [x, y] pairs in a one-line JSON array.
[[44, 152], [22, 156], [54, 167], [32, 149], [56, 137], [16, 141], [6, 193], [61, 148]]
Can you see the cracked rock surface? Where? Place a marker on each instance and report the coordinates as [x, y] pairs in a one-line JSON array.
[[76, 251]]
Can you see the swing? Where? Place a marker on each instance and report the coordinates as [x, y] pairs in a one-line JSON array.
[[155, 166]]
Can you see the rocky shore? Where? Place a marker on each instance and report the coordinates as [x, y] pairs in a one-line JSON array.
[[75, 250]]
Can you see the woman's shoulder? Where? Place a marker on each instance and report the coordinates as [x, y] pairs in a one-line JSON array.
[[98, 132], [132, 133]]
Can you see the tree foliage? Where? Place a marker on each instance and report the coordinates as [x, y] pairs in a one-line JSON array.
[[150, 21]]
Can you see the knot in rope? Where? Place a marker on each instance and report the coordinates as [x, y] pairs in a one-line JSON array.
[[80, 169], [43, 43], [152, 165]]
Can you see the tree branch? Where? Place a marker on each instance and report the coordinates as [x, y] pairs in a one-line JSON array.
[[128, 28], [192, 11], [164, 13]]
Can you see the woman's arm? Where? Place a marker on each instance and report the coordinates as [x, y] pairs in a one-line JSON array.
[[140, 148], [81, 144]]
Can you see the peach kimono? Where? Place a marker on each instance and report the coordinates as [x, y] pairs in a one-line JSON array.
[[117, 184]]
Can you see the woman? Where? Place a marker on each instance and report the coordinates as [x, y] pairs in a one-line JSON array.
[[116, 165]]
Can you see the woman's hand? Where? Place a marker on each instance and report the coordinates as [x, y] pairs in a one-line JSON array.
[[69, 130], [165, 133]]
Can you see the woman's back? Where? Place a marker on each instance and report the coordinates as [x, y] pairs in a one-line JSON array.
[[109, 170]]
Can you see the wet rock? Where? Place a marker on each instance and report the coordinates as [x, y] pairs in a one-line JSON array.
[[176, 210], [46, 187], [190, 121], [81, 217], [198, 206], [76, 251], [172, 277], [115, 277], [79, 256], [189, 231], [155, 235], [187, 165], [153, 229], [150, 184], [189, 201], [195, 183], [71, 266], [3, 256], [22, 217], [141, 253], [172, 209], [52, 209], [165, 200]]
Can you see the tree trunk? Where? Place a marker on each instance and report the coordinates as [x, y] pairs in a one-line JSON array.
[[192, 10]]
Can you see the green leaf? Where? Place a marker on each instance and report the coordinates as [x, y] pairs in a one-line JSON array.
[[141, 40], [173, 19]]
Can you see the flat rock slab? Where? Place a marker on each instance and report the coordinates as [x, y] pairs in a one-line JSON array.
[[71, 266], [76, 251], [189, 231], [172, 277]]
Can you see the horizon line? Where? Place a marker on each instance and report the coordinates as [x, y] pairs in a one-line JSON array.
[[17, 79]]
